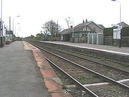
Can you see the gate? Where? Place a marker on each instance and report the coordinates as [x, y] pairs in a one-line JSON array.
[[95, 38]]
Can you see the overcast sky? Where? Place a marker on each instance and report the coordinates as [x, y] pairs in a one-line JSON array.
[[34, 13]]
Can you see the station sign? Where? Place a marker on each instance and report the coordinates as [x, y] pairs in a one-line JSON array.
[[117, 33]]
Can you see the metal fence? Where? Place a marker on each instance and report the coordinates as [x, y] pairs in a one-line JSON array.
[[95, 38]]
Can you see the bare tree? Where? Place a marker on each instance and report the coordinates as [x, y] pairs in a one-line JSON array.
[[52, 27], [69, 22]]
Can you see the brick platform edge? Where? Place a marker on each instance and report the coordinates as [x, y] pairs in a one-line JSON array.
[[51, 80]]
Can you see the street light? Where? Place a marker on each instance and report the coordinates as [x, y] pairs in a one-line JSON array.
[[120, 25], [17, 24], [17, 29], [1, 29], [1, 18]]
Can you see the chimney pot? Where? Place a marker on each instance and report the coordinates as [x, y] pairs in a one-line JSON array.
[[86, 21]]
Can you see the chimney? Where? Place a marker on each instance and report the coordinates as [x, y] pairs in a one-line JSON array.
[[86, 20], [83, 21]]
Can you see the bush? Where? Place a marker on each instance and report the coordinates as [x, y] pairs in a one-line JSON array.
[[125, 31], [84, 39], [108, 32]]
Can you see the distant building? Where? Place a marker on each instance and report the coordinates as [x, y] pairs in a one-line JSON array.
[[88, 32], [117, 30], [113, 35], [123, 24], [2, 34], [9, 36], [66, 34]]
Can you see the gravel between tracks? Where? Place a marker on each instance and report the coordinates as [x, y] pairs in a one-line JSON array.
[[69, 85], [103, 91], [110, 90], [114, 74]]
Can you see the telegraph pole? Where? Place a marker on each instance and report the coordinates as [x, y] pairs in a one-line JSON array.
[[120, 25], [1, 29], [9, 23], [9, 29]]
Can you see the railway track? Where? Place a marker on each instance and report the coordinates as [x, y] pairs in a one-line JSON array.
[[90, 93], [112, 65], [101, 59], [95, 76], [113, 72], [123, 69], [92, 55]]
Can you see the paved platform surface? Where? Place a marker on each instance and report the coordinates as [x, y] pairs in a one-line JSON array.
[[19, 75], [110, 49]]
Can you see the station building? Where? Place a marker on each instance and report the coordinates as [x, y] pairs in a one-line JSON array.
[[86, 32]]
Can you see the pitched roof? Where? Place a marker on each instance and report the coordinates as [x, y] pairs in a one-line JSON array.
[[67, 31], [100, 25], [123, 24], [80, 27]]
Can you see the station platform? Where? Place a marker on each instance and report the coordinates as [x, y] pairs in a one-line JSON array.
[[20, 75], [104, 48]]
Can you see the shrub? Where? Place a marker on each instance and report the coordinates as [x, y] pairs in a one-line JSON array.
[[108, 32], [125, 31], [84, 39]]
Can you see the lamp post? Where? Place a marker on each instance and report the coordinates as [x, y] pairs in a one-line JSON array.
[[18, 29], [1, 29], [1, 18], [17, 23], [120, 25]]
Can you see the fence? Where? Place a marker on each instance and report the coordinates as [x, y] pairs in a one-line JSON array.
[[95, 38]]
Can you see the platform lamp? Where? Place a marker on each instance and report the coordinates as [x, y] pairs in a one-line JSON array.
[[18, 23], [1, 26], [120, 26]]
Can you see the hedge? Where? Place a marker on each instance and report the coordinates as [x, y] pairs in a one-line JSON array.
[[125, 31], [108, 32]]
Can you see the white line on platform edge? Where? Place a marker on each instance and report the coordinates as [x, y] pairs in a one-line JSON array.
[[104, 50], [105, 83]]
